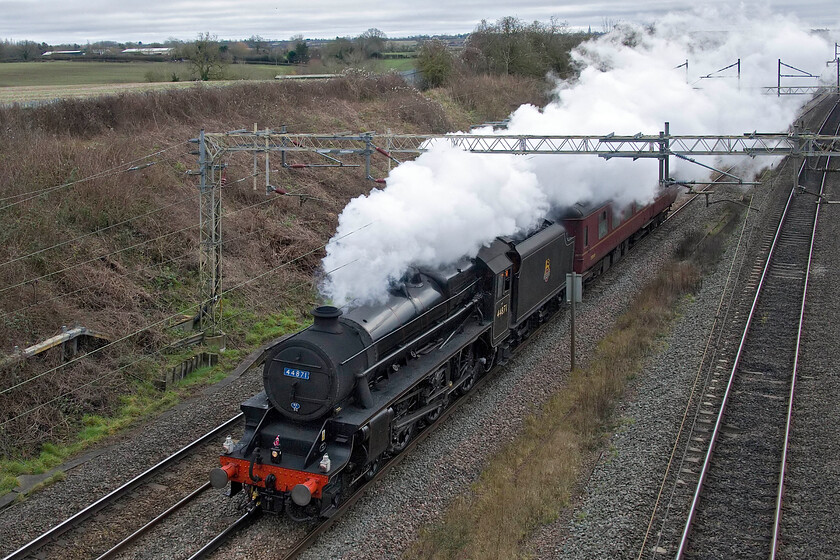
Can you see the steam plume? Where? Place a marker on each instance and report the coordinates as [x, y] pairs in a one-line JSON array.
[[447, 203]]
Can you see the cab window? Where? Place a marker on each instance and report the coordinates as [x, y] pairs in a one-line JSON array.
[[503, 284], [602, 224]]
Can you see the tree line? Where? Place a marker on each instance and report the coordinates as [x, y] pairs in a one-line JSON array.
[[342, 50], [508, 46]]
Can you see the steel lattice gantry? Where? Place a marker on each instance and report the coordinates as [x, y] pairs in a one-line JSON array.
[[214, 147], [636, 146]]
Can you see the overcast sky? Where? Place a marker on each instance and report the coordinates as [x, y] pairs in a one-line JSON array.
[[76, 21]]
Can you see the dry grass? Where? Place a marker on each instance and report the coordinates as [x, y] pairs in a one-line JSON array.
[[145, 270], [493, 98], [532, 479]]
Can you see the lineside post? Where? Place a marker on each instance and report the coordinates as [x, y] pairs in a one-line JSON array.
[[573, 295], [665, 155], [210, 240]]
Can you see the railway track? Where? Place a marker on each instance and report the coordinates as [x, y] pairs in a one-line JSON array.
[[728, 462], [55, 542], [322, 526], [59, 539]]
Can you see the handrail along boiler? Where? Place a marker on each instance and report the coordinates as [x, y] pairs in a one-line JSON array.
[[346, 393]]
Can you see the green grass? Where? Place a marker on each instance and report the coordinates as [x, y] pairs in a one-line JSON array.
[[146, 401], [398, 64], [73, 73]]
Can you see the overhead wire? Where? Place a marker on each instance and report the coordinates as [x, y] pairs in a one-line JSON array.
[[149, 266], [122, 250], [173, 316], [105, 173], [96, 258], [111, 372], [98, 231]]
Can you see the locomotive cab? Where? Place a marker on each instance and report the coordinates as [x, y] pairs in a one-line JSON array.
[[497, 306]]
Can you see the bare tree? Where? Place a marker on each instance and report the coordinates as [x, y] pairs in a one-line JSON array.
[[372, 43], [205, 57], [28, 50], [608, 24], [510, 46], [258, 44]]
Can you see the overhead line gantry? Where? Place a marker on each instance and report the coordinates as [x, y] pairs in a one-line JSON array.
[[214, 147]]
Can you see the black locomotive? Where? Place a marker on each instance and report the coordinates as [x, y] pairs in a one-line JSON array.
[[353, 389]]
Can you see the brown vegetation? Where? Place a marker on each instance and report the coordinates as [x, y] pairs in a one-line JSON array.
[[116, 250]]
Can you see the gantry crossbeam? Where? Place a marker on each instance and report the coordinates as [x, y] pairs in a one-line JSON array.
[[214, 147], [636, 146]]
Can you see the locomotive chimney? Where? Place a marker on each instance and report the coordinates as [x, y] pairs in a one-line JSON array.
[[326, 319]]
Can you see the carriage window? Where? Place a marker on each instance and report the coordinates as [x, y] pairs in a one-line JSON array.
[[586, 236], [602, 224]]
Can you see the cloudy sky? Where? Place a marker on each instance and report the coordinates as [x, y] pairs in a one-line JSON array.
[[76, 21]]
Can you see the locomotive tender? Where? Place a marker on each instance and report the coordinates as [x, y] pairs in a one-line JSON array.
[[352, 390]]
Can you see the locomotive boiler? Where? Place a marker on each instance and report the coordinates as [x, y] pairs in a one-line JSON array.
[[352, 390]]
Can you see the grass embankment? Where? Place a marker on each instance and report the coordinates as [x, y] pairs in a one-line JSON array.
[[532, 480], [133, 260], [146, 401]]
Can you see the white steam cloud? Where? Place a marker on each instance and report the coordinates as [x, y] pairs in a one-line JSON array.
[[448, 203]]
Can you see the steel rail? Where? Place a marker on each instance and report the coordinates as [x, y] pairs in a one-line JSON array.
[[222, 537], [716, 431], [109, 498], [145, 528], [687, 410], [777, 517]]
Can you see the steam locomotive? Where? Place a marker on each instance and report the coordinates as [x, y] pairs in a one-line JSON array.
[[353, 389]]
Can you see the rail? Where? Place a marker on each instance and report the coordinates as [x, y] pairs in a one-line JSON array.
[[683, 542], [777, 516], [111, 497]]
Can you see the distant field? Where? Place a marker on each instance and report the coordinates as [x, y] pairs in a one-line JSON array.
[[72, 73], [33, 82], [400, 64]]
